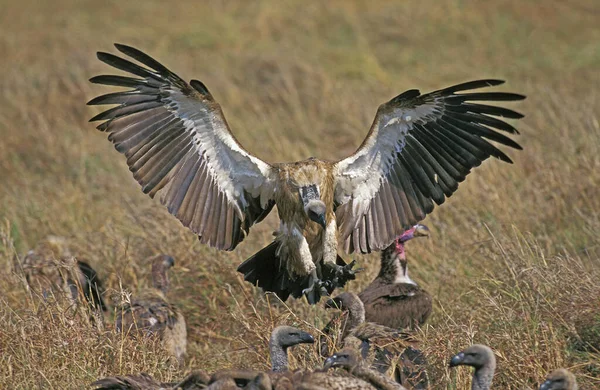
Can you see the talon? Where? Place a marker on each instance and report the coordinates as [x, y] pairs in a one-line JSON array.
[[316, 288]]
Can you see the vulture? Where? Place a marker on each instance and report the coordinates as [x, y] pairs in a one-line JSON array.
[[282, 338], [560, 379], [51, 269], [149, 313], [393, 299], [350, 360], [482, 359], [379, 345], [194, 381], [178, 145]]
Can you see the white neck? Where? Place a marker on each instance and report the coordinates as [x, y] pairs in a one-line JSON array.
[[402, 277]]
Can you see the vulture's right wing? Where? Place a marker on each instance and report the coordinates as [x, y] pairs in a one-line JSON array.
[[418, 149], [177, 140]]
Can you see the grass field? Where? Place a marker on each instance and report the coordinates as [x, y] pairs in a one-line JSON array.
[[514, 258]]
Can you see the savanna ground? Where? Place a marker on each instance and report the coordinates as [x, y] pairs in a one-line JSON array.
[[514, 258]]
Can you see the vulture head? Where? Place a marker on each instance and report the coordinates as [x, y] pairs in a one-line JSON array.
[[348, 302], [415, 231], [347, 359], [288, 336], [394, 266], [476, 356], [160, 266], [480, 357], [560, 379], [282, 338], [314, 207]]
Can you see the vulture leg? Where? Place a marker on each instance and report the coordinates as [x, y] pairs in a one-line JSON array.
[[337, 275]]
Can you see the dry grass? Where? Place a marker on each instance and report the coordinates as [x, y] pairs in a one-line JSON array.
[[514, 261]]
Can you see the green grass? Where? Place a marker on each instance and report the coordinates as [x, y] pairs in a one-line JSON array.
[[514, 259]]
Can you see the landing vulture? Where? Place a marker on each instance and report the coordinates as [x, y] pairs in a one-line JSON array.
[[178, 145]]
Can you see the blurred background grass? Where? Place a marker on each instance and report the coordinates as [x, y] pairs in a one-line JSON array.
[[514, 257]]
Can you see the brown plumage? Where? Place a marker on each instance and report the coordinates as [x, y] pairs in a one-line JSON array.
[[51, 269], [380, 346], [393, 299], [418, 149], [350, 360], [127, 382], [482, 359], [149, 313], [282, 338], [195, 381], [309, 380], [560, 379]]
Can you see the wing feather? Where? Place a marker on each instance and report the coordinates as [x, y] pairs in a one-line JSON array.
[[418, 150], [177, 143]]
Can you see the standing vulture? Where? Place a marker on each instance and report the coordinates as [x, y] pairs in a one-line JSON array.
[[351, 360], [380, 346], [150, 313], [177, 142], [51, 269], [282, 338], [482, 359], [393, 299]]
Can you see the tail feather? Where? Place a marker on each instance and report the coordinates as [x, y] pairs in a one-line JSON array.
[[268, 271], [265, 270], [92, 286]]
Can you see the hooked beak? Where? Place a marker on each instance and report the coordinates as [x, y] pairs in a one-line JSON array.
[[421, 231], [332, 304], [307, 338], [546, 385], [457, 359], [330, 362], [321, 221]]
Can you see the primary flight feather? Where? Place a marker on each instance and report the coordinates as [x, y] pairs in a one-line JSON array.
[[179, 145]]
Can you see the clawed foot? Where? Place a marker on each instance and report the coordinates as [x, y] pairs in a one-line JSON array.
[[316, 288], [337, 275]]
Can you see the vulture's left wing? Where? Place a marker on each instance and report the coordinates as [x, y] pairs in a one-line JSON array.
[[418, 149], [177, 140]]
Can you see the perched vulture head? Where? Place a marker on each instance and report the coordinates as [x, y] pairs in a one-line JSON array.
[[288, 336], [160, 266], [476, 356], [560, 379], [345, 301], [347, 359]]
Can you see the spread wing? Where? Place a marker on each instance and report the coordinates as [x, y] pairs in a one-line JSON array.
[[418, 149], [177, 141]]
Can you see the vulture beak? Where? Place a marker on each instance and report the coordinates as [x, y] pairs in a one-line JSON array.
[[306, 338], [332, 304], [421, 231], [321, 220], [457, 359], [547, 385], [330, 362]]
